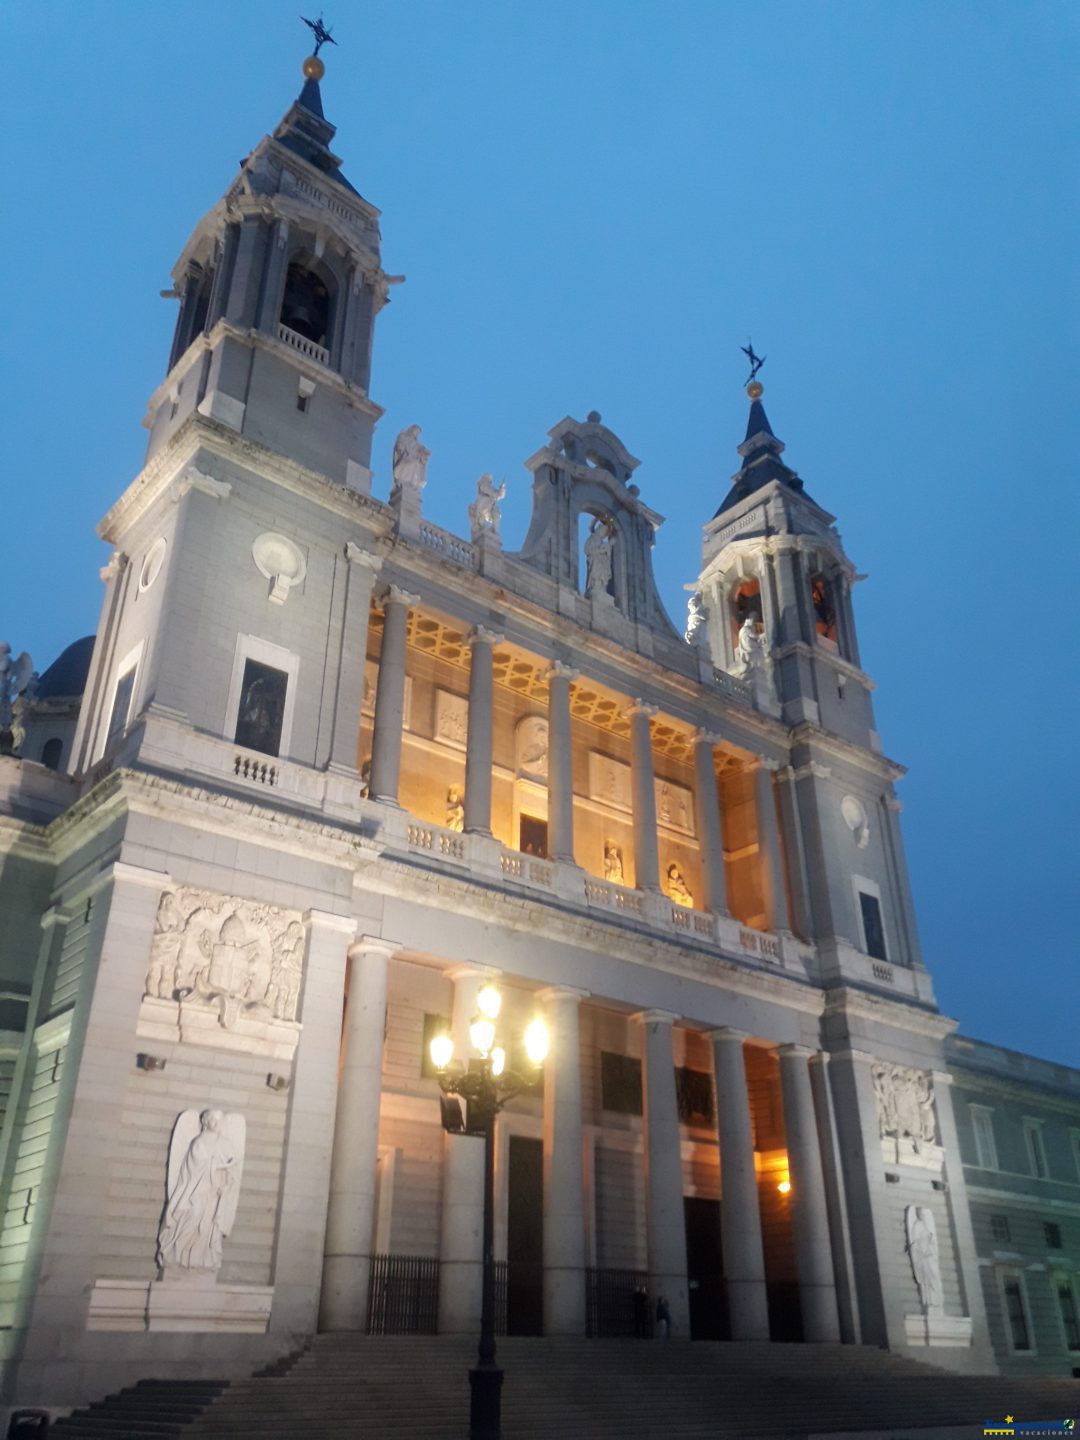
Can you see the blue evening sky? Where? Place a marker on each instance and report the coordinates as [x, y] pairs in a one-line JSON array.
[[595, 204]]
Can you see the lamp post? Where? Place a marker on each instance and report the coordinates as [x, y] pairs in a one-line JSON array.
[[485, 1085]]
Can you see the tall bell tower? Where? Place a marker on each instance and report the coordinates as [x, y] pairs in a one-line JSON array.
[[278, 287]]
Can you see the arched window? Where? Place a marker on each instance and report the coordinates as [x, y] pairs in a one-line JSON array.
[[746, 604], [306, 306], [51, 752], [823, 601]]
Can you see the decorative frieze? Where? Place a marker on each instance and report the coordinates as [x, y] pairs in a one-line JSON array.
[[905, 1112]]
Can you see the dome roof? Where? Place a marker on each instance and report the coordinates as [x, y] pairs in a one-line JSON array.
[[66, 676]]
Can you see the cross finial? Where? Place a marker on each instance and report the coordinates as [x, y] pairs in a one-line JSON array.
[[756, 361], [321, 33]]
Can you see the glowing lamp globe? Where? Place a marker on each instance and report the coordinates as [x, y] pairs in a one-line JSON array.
[[441, 1051], [498, 1061], [482, 1034], [536, 1041], [489, 1002]]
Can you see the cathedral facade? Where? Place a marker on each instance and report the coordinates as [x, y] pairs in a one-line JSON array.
[[328, 769]]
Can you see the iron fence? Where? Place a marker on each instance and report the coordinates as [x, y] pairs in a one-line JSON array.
[[617, 1303], [403, 1295]]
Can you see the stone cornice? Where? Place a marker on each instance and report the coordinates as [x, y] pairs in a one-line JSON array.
[[888, 1010], [818, 652], [824, 741]]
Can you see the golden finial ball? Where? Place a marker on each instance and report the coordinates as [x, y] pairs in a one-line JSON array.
[[755, 389], [314, 68]]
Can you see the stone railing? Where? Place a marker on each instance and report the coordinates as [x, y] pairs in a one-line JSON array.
[[448, 546], [734, 688], [304, 345]]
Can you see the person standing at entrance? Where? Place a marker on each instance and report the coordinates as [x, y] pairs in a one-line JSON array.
[[663, 1319]]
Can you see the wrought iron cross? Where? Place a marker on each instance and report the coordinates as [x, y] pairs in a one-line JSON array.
[[321, 33], [756, 361]]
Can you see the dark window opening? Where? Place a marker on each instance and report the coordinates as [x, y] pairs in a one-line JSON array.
[[125, 689], [1017, 1316], [262, 708], [873, 929], [1070, 1320], [693, 1091], [533, 836], [433, 1025], [302, 403], [821, 596], [202, 304], [999, 1227], [1052, 1234], [620, 1083], [51, 752], [306, 306]]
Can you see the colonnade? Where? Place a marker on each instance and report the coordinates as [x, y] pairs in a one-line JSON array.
[[387, 741], [349, 1235]]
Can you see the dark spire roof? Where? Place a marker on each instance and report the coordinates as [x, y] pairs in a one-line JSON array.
[[760, 452], [306, 131], [66, 676]]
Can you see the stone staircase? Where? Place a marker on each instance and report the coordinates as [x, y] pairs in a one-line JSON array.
[[370, 1388]]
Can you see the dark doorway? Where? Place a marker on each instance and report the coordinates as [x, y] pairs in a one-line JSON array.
[[525, 1238], [532, 836], [705, 1269]]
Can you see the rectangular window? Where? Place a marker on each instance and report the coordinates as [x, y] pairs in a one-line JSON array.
[[620, 1083], [693, 1091], [533, 836], [121, 706], [1012, 1287], [433, 1025], [982, 1123], [1074, 1135], [1070, 1318], [873, 929], [999, 1228], [1052, 1235], [1036, 1152], [262, 707]]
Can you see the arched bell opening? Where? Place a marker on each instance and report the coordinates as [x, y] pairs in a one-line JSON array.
[[745, 604], [308, 302], [823, 610]]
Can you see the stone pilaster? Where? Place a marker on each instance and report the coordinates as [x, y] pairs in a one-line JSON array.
[[564, 1174], [740, 1213], [813, 1248], [646, 852], [351, 1212], [360, 580], [478, 753], [390, 697], [665, 1220], [560, 764], [709, 823], [771, 852]]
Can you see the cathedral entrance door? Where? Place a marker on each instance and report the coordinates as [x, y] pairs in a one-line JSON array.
[[705, 1269], [525, 1238]]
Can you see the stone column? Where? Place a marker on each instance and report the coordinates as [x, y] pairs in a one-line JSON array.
[[564, 1169], [461, 1248], [560, 763], [478, 742], [902, 882], [348, 702], [813, 1248], [709, 826], [312, 1101], [771, 855], [665, 1220], [390, 697], [788, 579], [740, 1214], [351, 1212], [646, 853], [792, 841]]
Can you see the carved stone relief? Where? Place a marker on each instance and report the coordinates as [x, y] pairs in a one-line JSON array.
[[674, 806], [451, 719], [854, 813], [905, 1111], [371, 684], [531, 747], [206, 1163], [236, 958], [609, 781]]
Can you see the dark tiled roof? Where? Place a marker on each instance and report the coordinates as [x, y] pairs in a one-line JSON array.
[[66, 676]]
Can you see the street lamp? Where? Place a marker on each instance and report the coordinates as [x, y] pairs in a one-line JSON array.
[[486, 1085]]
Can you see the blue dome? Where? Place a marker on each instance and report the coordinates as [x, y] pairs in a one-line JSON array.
[[66, 676]]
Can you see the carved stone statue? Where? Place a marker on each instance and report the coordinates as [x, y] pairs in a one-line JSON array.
[[531, 744], [410, 461], [677, 888], [484, 512], [905, 1105], [455, 809], [697, 616], [613, 866], [750, 650], [206, 1161], [17, 678], [598, 559], [216, 951], [920, 1230]]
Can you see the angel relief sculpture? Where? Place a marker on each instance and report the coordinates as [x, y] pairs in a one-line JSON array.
[[213, 950], [206, 1161]]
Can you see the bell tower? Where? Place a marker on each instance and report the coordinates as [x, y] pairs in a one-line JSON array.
[[278, 289]]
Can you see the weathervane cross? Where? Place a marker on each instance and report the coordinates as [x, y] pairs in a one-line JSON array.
[[756, 361], [321, 33]]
